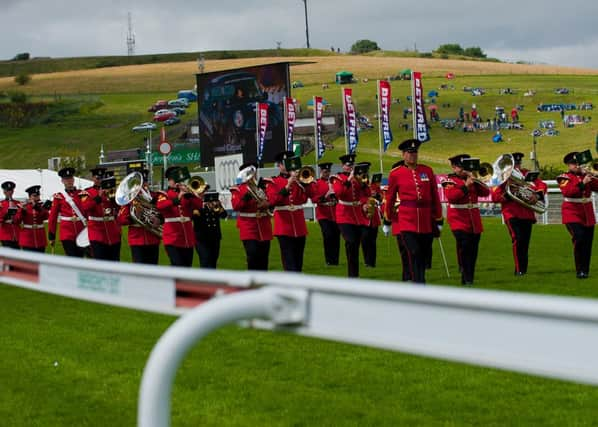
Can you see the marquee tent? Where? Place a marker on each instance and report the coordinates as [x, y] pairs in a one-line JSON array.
[[343, 77], [49, 180]]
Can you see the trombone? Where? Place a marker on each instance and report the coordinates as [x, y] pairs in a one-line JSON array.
[[197, 185]]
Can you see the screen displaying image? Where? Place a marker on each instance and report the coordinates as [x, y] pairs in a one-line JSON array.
[[227, 111]]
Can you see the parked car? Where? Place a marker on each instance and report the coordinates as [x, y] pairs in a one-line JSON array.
[[163, 116], [144, 126], [158, 105], [190, 95], [162, 111], [172, 121], [561, 91], [179, 111], [182, 103]]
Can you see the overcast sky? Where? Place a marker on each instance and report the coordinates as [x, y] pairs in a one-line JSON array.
[[542, 31]]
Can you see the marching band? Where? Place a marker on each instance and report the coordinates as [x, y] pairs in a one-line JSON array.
[[186, 216]]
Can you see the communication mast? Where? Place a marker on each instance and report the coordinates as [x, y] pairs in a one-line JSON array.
[[130, 37]]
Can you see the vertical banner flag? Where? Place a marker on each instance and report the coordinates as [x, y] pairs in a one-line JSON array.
[[350, 120], [318, 112], [290, 116], [262, 125], [420, 124], [384, 99]]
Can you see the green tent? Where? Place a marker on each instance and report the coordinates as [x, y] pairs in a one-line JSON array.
[[343, 77], [405, 74]]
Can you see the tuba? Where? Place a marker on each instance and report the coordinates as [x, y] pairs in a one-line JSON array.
[[249, 176], [517, 188], [131, 191]]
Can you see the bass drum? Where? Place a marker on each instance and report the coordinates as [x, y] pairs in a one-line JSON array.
[[83, 238]]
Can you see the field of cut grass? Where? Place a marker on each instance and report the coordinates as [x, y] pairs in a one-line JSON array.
[[67, 362]]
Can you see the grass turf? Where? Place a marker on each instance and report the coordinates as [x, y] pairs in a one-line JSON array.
[[247, 377]]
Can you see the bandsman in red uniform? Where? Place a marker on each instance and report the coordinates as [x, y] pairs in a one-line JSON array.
[[326, 201], [101, 210], [144, 240], [352, 192], [287, 195], [577, 210], [518, 218], [9, 217], [67, 206], [33, 215], [373, 215], [176, 205], [419, 214], [249, 199], [463, 214]]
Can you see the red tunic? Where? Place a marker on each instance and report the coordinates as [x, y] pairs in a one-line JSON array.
[[33, 233], [178, 228], [137, 235], [288, 206], [512, 209], [463, 212], [325, 205], [420, 205], [9, 227], [101, 218], [577, 204], [70, 224], [352, 196], [253, 223]]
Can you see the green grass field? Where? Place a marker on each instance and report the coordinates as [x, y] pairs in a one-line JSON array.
[[245, 377]]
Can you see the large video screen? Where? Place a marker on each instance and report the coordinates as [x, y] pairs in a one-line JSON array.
[[227, 111]]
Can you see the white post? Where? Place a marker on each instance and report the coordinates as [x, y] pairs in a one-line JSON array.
[[167, 355], [149, 165]]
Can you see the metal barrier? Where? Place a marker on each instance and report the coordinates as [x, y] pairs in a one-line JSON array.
[[542, 335]]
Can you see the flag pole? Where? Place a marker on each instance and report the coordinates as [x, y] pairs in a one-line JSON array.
[[379, 99], [345, 121]]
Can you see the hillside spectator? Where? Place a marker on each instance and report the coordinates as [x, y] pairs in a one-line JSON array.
[[474, 115], [497, 137], [461, 114], [514, 115]]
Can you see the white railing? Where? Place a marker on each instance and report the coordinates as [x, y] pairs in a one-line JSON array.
[[542, 335]]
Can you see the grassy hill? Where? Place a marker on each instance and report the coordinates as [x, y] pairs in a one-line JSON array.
[[126, 92]]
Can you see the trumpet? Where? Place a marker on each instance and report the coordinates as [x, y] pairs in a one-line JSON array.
[[307, 175], [197, 185]]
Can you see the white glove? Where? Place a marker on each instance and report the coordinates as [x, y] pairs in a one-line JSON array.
[[386, 230], [439, 227]]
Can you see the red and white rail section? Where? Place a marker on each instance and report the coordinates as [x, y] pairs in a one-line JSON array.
[[542, 335]]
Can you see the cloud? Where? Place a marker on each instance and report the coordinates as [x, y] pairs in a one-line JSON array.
[[534, 30]]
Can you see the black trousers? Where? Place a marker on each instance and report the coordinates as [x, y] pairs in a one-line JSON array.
[[467, 254], [105, 251], [332, 240], [208, 252], [582, 238], [406, 273], [71, 249], [10, 244], [418, 247], [291, 252], [41, 249], [353, 235], [145, 254], [257, 253], [521, 233], [179, 257], [368, 245]]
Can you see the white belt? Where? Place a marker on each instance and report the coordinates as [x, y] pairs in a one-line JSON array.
[[101, 218], [577, 199], [178, 219], [33, 226], [70, 218], [327, 204], [253, 214], [288, 208], [342, 202], [465, 206]]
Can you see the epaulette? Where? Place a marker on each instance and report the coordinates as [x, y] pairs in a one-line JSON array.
[[233, 188], [397, 164], [58, 196], [162, 196], [452, 175], [447, 181], [268, 179], [562, 179]]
